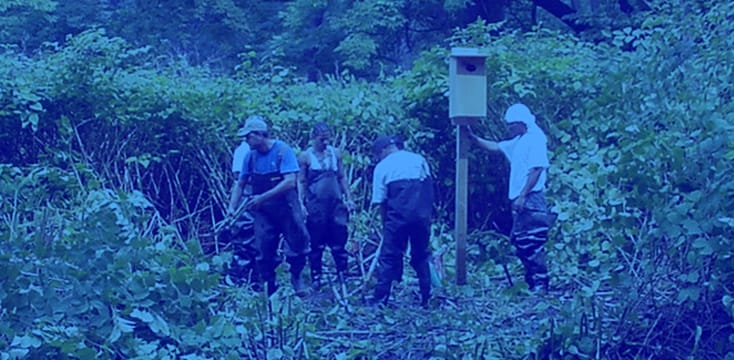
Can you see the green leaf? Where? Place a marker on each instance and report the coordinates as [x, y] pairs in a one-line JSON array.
[[26, 341], [690, 293], [160, 326], [692, 227], [86, 353], [703, 245], [586, 345], [729, 221], [114, 335], [144, 316], [16, 353], [31, 120], [274, 354], [728, 302], [573, 350]]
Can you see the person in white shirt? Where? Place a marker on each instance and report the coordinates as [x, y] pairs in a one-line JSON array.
[[403, 188], [242, 269], [238, 158], [528, 155]]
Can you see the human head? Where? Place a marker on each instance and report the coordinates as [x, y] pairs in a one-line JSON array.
[[383, 146], [321, 135], [519, 119], [255, 131], [399, 142]]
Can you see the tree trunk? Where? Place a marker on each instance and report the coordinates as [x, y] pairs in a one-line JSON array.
[[491, 11], [563, 12], [625, 6]]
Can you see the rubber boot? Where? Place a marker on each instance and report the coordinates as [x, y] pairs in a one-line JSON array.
[[382, 294], [423, 272]]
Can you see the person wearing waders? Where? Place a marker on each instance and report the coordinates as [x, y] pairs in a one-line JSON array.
[[403, 188], [324, 195], [528, 155], [271, 169], [243, 268]]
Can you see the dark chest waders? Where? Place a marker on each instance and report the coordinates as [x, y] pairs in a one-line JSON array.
[[409, 207], [327, 220], [279, 215]]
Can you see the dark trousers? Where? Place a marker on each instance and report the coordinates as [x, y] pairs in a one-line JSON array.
[[328, 230], [396, 235], [529, 235], [241, 237], [281, 216]]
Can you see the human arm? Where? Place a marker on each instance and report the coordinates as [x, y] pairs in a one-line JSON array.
[[288, 183], [304, 164], [483, 143], [533, 176], [242, 176], [289, 169], [236, 195], [379, 189]]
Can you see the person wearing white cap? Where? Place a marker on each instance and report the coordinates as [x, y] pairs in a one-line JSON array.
[[528, 155], [271, 168], [242, 268], [238, 157]]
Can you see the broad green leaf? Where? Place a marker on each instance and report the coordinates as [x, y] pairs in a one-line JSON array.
[[690, 293], [16, 353], [274, 354], [143, 315], [26, 342], [86, 353], [704, 245], [159, 326]]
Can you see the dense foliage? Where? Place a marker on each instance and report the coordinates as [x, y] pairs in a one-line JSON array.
[[115, 170]]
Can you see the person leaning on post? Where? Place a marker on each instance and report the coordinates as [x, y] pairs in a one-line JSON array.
[[271, 169], [403, 188], [324, 195], [528, 155]]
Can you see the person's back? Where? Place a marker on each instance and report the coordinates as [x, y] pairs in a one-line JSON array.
[[409, 189], [402, 187]]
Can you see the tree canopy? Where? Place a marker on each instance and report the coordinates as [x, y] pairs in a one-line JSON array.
[[118, 119]]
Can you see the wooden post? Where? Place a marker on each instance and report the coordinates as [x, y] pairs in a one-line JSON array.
[[461, 205], [467, 104]]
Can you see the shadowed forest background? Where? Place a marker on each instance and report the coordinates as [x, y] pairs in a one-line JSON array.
[[118, 121]]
